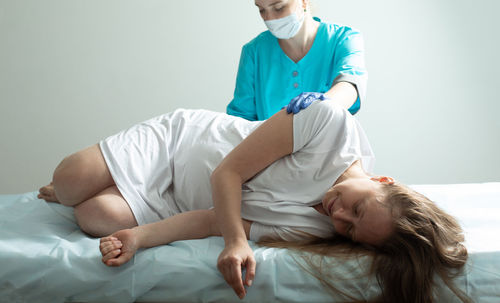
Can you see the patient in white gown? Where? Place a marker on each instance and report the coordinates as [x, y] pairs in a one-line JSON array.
[[294, 178]]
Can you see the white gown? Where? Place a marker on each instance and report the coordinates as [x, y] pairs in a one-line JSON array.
[[162, 167]]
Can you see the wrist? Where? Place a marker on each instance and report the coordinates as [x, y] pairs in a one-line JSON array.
[[235, 241], [139, 235]]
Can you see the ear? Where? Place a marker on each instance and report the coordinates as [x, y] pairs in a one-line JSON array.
[[383, 179]]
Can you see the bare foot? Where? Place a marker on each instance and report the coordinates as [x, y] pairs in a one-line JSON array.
[[48, 194]]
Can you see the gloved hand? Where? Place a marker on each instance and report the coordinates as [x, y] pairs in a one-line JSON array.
[[302, 101]]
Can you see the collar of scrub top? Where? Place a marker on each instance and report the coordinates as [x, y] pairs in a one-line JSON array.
[[304, 61]]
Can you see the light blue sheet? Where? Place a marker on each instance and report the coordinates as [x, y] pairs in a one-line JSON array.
[[44, 257]]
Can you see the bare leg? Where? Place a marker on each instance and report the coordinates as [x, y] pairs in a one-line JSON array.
[[83, 180], [105, 213], [78, 178]]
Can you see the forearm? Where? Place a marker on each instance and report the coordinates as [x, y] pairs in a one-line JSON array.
[[196, 224], [226, 191], [343, 94]]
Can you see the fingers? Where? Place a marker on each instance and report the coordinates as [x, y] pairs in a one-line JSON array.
[[109, 246], [307, 101], [250, 275], [107, 241], [232, 275], [294, 106], [302, 101], [108, 238], [123, 258], [110, 258], [230, 268]]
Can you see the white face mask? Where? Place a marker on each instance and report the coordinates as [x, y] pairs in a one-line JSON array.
[[286, 27]]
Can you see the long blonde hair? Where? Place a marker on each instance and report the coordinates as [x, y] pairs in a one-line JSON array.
[[426, 241]]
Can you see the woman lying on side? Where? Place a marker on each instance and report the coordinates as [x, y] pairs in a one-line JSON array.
[[193, 174]]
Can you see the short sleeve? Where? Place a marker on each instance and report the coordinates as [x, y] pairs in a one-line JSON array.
[[311, 125], [243, 103], [327, 131], [350, 64], [262, 232]]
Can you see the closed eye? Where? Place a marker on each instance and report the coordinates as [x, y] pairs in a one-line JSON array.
[[356, 209]]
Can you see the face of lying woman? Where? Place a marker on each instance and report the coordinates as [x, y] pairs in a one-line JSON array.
[[355, 209]]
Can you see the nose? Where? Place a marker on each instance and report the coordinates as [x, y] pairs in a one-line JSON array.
[[341, 220], [342, 215], [265, 17]]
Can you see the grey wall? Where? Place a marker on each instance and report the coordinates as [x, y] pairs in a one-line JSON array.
[[73, 72]]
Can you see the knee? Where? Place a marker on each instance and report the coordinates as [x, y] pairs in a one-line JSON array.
[[72, 168], [63, 179], [88, 224], [67, 179], [100, 219]]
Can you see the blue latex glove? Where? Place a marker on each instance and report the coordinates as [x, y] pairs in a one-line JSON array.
[[303, 101]]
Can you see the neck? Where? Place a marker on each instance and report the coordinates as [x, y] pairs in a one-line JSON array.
[[304, 39], [354, 171]]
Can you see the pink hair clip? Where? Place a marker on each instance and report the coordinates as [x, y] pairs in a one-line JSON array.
[[387, 180]]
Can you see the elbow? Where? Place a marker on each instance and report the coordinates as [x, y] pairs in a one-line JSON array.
[[213, 227], [215, 175], [219, 179], [225, 174]]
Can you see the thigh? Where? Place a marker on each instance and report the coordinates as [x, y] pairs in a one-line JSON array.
[[105, 213], [81, 176]]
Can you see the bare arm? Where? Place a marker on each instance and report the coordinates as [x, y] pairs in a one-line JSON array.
[[196, 224], [119, 247], [343, 93], [270, 142]]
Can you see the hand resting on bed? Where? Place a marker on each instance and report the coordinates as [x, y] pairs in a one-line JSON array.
[[119, 247]]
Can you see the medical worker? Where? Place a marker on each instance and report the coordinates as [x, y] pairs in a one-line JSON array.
[[298, 60]]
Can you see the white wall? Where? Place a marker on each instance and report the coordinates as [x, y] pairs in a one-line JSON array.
[[73, 72]]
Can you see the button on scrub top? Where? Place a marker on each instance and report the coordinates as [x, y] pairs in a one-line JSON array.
[[268, 79]]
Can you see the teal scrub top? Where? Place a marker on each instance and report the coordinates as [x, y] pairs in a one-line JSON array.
[[268, 79]]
